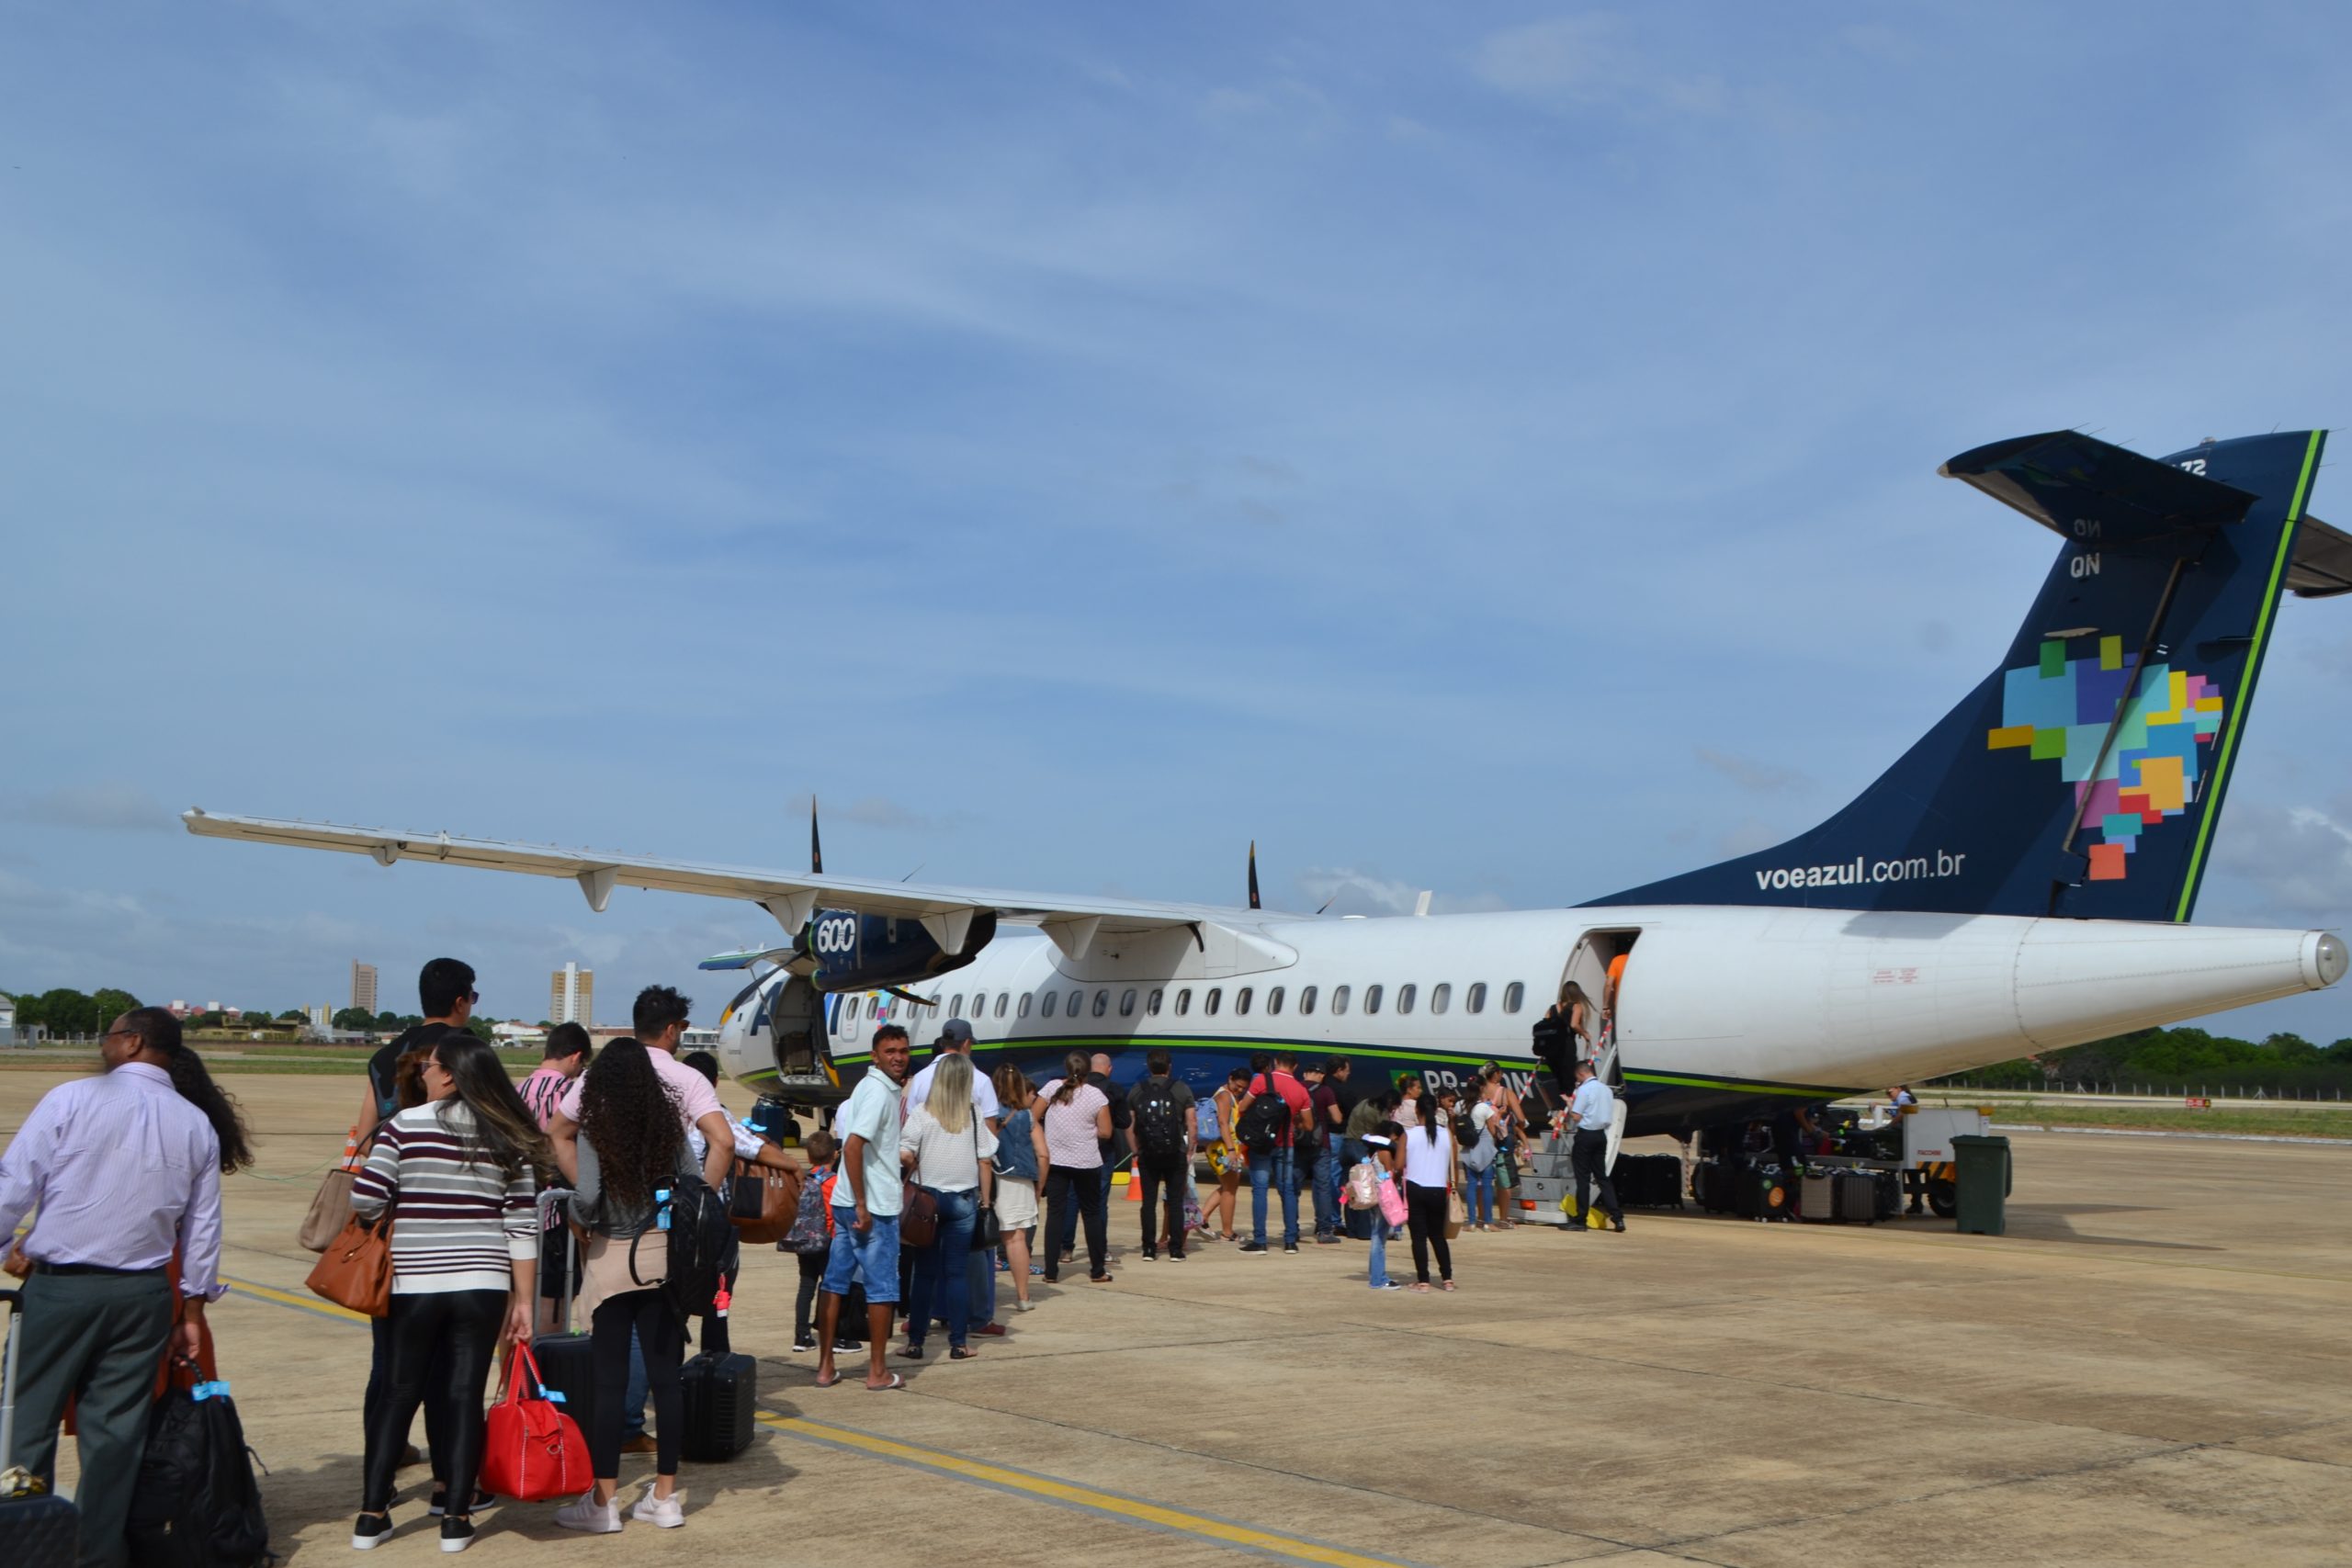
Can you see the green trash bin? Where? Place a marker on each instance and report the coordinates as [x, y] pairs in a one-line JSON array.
[[1984, 1181]]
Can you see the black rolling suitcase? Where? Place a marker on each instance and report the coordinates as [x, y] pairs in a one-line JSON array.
[[1712, 1183], [722, 1396], [36, 1529], [1889, 1185], [566, 1369]]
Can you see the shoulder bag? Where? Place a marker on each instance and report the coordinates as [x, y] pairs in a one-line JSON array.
[[354, 1270], [762, 1202], [330, 1204], [986, 1232]]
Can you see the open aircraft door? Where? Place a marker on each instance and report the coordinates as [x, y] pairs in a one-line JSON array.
[[1602, 951]]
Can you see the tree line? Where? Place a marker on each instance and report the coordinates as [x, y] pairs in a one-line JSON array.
[[2181, 1061], [66, 1013]]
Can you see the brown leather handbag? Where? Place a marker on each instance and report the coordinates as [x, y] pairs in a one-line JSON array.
[[355, 1269], [919, 1218], [762, 1202]]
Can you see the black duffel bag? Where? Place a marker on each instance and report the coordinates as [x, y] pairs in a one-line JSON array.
[[196, 1505]]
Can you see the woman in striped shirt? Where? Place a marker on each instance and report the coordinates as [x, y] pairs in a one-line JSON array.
[[457, 1174]]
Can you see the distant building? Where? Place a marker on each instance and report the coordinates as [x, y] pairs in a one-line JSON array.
[[322, 1016], [363, 985], [178, 1009], [7, 1021], [518, 1034], [572, 994]]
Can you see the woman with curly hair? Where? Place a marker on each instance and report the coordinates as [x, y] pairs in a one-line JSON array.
[[459, 1174], [632, 1147]]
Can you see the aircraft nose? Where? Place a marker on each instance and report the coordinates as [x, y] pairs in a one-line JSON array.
[[2329, 959]]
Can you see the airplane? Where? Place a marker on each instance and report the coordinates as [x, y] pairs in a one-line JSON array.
[[2018, 880]]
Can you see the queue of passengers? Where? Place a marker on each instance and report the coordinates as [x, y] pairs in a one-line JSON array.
[[123, 1259]]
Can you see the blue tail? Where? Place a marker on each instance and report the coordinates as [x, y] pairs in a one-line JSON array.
[[2085, 777]]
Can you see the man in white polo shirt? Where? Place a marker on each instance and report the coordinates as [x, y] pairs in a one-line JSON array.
[[658, 1019], [868, 1200]]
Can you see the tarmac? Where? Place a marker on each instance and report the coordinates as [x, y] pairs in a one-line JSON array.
[[2151, 1368]]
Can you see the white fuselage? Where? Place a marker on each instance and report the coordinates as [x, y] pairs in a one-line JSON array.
[[1720, 1011]]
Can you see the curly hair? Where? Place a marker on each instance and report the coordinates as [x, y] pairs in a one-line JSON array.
[[629, 1118]]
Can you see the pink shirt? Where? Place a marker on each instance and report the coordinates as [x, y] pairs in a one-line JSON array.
[[543, 1092], [689, 1090]]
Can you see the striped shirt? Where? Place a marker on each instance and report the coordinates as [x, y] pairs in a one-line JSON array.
[[543, 1092], [455, 1226], [122, 1168]]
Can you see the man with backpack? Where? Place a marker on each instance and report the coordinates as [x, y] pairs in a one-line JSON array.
[[1162, 1127], [1274, 1109]]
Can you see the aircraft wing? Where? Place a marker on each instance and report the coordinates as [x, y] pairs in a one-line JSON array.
[[791, 897]]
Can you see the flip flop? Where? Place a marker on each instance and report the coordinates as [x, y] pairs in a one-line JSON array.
[[896, 1384], [828, 1382]]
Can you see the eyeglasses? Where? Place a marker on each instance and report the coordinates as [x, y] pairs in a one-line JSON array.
[[120, 1034]]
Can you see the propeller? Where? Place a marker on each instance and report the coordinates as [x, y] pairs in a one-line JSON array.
[[1253, 875], [815, 849]]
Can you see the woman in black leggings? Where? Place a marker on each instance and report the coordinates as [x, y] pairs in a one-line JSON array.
[[631, 1148], [457, 1174], [1431, 1175]]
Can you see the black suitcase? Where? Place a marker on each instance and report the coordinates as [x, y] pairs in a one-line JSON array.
[[41, 1530], [1890, 1193], [1650, 1182], [1855, 1197], [566, 1370], [722, 1396], [1712, 1183]]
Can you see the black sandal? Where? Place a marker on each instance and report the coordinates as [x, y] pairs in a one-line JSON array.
[[1098, 1279], [963, 1353]]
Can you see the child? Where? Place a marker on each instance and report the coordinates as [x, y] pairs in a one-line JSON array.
[[1380, 1147], [811, 1238]]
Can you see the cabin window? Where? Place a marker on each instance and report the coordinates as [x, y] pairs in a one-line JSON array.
[[1004, 998], [1474, 1000], [1024, 1005], [1183, 1002], [1338, 1001], [1209, 1003], [1077, 1000], [1440, 997], [1307, 1000], [1372, 998], [1151, 1002], [1405, 998], [955, 1008], [1241, 1003], [1127, 1003], [1046, 1003], [1274, 1002], [1514, 995]]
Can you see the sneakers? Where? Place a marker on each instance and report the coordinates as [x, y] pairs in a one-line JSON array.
[[456, 1534], [1253, 1249], [371, 1531], [586, 1513], [1388, 1285], [1290, 1247], [1327, 1239], [802, 1347], [663, 1512], [849, 1347], [1149, 1256], [1617, 1223], [440, 1505]]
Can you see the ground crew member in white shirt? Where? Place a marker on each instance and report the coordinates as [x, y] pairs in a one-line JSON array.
[[1589, 1113]]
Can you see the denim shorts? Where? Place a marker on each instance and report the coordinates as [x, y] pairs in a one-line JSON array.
[[871, 1259]]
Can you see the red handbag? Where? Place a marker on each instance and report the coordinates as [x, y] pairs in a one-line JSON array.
[[532, 1450]]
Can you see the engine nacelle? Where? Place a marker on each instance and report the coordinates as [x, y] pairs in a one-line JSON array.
[[865, 952]]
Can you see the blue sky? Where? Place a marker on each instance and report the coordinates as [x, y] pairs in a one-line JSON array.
[[1483, 450]]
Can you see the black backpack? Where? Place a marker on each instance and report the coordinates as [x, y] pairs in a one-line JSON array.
[[196, 1505], [1262, 1125], [699, 1231], [1158, 1124]]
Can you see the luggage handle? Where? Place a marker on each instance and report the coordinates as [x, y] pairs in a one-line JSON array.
[[16, 1300], [548, 1199]]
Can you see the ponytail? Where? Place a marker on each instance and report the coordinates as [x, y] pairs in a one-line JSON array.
[[1075, 1067]]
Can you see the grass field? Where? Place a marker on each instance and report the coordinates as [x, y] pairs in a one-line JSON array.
[[2311, 1122], [295, 1060]]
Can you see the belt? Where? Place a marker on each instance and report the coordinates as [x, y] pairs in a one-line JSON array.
[[69, 1269]]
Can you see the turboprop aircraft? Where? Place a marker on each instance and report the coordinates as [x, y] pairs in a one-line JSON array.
[[2018, 880]]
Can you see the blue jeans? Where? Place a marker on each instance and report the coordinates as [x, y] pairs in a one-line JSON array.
[[871, 1259], [1327, 1177], [1478, 1194], [942, 1276], [1281, 1168], [1377, 1271]]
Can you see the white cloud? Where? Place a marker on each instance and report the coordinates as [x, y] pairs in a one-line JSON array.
[[1587, 61], [1352, 892], [2277, 864], [1757, 778]]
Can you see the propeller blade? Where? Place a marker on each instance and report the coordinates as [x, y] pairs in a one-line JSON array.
[[816, 849], [1329, 902], [1253, 875]]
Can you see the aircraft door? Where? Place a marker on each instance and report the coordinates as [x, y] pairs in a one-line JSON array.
[[1602, 967]]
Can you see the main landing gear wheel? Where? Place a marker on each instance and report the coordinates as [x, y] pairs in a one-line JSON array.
[[1943, 1197]]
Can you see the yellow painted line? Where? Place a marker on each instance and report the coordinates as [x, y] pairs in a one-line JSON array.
[[1020, 1483], [1046, 1488], [287, 1298]]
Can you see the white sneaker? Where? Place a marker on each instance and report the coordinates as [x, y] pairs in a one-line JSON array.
[[668, 1513], [584, 1513]]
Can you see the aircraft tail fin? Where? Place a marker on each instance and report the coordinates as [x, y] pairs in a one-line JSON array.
[[2085, 777]]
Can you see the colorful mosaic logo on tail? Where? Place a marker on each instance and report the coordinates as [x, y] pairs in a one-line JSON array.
[[2061, 708]]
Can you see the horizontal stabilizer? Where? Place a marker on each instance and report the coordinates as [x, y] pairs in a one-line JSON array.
[[2082, 489]]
